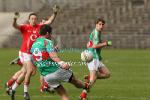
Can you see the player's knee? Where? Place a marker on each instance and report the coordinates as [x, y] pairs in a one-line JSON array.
[[104, 75], [29, 70], [107, 75], [23, 72], [33, 72]]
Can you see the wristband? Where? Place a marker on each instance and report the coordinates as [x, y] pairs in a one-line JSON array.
[[60, 62]]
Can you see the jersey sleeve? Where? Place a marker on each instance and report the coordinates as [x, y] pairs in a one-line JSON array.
[[22, 27], [49, 46]]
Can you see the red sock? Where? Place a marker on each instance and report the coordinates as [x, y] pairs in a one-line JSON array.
[[19, 62], [45, 84], [10, 82], [83, 94]]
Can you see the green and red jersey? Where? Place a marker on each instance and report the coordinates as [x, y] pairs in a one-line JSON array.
[[40, 52], [95, 38]]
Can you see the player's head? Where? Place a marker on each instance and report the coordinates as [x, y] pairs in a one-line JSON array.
[[44, 19], [32, 19], [100, 24], [45, 31]]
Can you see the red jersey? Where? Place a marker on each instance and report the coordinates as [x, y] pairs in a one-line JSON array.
[[30, 34]]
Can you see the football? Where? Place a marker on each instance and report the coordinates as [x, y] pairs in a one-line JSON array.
[[86, 56]]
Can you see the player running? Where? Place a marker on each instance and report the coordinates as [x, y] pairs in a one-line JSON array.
[[96, 68], [29, 32], [50, 66]]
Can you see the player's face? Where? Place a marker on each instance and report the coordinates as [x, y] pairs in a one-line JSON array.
[[43, 21], [48, 36], [99, 26], [33, 20]]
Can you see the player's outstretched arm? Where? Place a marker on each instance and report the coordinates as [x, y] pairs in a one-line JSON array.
[[103, 44], [53, 16], [16, 16], [54, 57]]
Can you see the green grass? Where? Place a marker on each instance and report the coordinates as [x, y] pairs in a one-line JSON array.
[[130, 78]]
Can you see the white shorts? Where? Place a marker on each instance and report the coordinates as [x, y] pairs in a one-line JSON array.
[[24, 56], [95, 64], [61, 75]]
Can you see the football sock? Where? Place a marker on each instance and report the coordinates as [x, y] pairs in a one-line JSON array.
[[26, 87], [16, 84], [10, 82]]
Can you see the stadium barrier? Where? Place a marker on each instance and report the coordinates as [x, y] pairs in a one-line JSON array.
[[136, 41]]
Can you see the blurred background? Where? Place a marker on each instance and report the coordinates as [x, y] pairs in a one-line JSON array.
[[127, 21]]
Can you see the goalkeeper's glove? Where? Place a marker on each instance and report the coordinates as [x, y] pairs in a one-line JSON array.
[[55, 9], [17, 15], [109, 43]]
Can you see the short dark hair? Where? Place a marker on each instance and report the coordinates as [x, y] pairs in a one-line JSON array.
[[44, 18], [100, 20], [44, 29], [32, 14]]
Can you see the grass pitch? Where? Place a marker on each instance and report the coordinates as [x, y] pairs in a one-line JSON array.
[[130, 76]]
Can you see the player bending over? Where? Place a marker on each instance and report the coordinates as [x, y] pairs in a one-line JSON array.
[[50, 66]]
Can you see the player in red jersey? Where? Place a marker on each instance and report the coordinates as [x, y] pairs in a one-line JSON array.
[[44, 87], [29, 33]]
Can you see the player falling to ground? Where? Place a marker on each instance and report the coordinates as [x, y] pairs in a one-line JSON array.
[[96, 68], [29, 32], [50, 66]]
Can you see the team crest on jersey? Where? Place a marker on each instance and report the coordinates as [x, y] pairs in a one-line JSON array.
[[40, 55], [33, 37]]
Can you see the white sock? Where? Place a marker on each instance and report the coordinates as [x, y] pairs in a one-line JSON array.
[[15, 86], [25, 88]]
